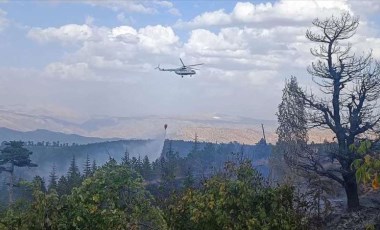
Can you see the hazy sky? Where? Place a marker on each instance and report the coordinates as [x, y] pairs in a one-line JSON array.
[[86, 58]]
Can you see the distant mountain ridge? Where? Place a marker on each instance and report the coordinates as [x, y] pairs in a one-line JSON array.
[[40, 135], [209, 128]]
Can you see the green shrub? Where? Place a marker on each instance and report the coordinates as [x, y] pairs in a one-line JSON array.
[[236, 199]]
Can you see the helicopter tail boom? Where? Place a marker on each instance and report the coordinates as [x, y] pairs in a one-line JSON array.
[[162, 69]]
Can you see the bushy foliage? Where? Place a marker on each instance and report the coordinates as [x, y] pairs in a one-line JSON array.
[[368, 166], [41, 213], [113, 198], [238, 198]]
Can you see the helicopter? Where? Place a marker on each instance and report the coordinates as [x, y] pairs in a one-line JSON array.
[[182, 71]]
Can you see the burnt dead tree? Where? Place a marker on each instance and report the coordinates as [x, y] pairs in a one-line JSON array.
[[350, 86]]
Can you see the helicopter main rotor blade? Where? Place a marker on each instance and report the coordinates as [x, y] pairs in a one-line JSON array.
[[182, 62], [195, 64]]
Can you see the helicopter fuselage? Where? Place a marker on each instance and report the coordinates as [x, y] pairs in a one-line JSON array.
[[185, 71], [182, 71]]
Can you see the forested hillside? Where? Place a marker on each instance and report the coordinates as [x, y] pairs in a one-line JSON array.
[[210, 154]]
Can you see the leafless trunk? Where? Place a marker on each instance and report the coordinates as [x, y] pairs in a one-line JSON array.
[[350, 85]]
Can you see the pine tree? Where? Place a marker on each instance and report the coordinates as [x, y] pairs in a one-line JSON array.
[[292, 115], [139, 164], [292, 132], [40, 182], [126, 160], [146, 170], [195, 147], [135, 164], [73, 174], [53, 178], [168, 166], [94, 167], [87, 167], [156, 169], [63, 186], [189, 179], [14, 155]]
